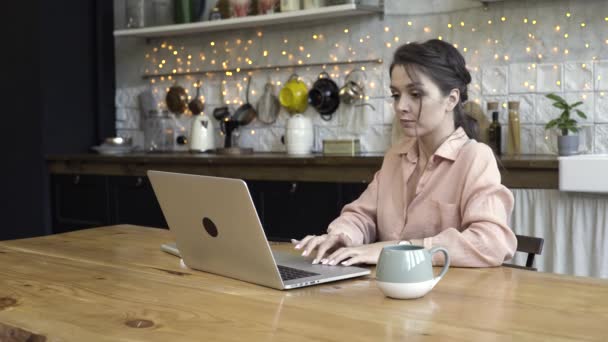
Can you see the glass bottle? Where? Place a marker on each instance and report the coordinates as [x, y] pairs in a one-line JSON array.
[[495, 134], [494, 129], [513, 138]]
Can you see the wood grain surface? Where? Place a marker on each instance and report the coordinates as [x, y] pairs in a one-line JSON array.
[[114, 284]]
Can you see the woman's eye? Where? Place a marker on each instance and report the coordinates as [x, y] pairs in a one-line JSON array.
[[395, 96], [415, 94]]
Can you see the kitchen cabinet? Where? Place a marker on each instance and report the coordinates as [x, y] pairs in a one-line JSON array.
[[286, 209], [132, 201], [79, 201], [295, 209]]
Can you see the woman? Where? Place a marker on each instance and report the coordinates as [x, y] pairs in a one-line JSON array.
[[437, 187]]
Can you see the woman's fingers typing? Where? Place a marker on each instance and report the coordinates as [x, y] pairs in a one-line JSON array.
[[340, 255], [313, 243], [300, 244], [328, 244]]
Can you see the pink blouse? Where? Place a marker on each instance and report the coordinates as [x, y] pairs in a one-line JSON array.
[[460, 204]]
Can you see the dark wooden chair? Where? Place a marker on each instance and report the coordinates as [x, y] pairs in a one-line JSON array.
[[531, 245]]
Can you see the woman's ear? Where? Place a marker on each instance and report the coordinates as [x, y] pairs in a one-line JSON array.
[[452, 99]]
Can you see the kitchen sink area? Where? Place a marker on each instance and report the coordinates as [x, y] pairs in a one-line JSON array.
[[584, 173]]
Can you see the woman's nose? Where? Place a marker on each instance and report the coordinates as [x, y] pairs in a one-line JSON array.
[[403, 105]]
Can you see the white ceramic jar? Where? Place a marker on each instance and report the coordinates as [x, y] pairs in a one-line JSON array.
[[290, 5], [299, 135]]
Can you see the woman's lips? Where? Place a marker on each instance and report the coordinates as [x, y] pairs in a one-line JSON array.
[[408, 123]]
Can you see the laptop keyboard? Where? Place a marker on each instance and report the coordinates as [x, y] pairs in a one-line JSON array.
[[289, 273]]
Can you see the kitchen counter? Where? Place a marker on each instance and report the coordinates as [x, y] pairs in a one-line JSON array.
[[526, 171]]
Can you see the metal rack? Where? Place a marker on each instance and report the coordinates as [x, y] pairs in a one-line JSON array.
[[267, 67]]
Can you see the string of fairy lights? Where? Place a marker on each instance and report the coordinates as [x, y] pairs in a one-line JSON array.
[[223, 59]]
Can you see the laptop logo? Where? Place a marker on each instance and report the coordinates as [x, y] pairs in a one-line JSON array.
[[210, 227]]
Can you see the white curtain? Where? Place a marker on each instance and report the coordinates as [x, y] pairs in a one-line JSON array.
[[574, 226]]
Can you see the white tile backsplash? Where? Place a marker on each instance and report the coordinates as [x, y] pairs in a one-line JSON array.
[[549, 78], [585, 141], [578, 76], [601, 107], [600, 71], [494, 80], [521, 78], [601, 138], [527, 139]]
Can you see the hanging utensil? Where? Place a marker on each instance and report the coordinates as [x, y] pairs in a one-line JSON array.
[[177, 99], [222, 112], [268, 106], [196, 106], [324, 96], [245, 113]]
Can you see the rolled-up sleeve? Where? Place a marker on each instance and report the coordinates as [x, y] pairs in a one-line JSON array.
[[358, 218], [485, 238]]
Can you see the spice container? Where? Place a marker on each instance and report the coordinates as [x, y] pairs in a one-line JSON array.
[[513, 138]]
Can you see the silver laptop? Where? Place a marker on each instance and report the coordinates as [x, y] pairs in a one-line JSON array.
[[217, 230]]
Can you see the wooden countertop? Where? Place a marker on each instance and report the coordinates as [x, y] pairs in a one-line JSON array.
[[114, 283], [526, 171]]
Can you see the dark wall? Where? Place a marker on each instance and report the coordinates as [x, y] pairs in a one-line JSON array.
[[57, 96]]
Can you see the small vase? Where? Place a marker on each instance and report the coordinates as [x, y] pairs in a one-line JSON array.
[[567, 145]]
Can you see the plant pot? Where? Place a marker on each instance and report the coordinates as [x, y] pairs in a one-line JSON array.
[[567, 145]]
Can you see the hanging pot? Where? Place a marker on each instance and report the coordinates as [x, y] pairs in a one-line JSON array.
[[177, 99], [196, 106], [294, 95], [324, 96], [245, 113], [222, 112]]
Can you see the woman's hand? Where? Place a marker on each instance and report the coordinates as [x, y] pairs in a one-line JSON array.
[[365, 254], [323, 243]]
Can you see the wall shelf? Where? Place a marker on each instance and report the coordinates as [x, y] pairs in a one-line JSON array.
[[329, 13]]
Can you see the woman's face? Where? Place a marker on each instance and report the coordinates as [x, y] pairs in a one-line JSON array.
[[419, 104]]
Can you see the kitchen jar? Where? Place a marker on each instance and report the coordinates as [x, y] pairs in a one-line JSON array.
[[290, 5], [299, 135], [158, 131], [309, 4]]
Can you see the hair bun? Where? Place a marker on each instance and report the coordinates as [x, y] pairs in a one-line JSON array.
[[464, 96]]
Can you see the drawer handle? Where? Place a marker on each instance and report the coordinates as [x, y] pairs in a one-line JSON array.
[[139, 182], [76, 180], [294, 187]]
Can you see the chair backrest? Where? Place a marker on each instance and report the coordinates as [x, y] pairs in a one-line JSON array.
[[531, 245]]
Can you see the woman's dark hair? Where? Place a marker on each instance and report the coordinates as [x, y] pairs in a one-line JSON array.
[[443, 64]]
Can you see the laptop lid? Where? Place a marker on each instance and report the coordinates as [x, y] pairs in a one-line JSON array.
[[211, 219]]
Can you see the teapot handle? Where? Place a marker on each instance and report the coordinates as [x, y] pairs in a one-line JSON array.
[[352, 72], [292, 76], [446, 265]]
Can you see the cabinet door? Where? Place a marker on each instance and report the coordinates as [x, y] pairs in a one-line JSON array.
[[350, 192], [132, 201], [78, 202], [295, 209]]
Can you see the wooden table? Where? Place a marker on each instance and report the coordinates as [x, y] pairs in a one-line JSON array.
[[114, 284]]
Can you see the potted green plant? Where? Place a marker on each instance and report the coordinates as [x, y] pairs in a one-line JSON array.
[[567, 144]]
